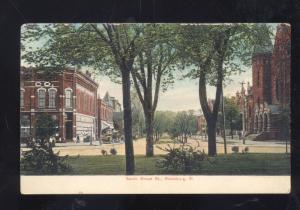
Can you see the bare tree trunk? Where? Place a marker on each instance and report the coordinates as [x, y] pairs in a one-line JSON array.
[[127, 123], [149, 137], [211, 133]]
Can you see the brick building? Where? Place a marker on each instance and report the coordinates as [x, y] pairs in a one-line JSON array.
[[262, 104], [105, 116], [201, 125], [70, 97]]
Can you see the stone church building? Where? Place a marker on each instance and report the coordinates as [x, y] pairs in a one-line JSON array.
[[262, 104]]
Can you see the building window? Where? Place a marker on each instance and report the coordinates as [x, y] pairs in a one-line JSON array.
[[52, 97], [22, 98], [41, 98], [68, 98]]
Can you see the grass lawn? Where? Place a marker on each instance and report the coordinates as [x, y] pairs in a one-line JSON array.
[[231, 164]]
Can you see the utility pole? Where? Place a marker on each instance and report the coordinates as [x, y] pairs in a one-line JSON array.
[[244, 113], [223, 116]]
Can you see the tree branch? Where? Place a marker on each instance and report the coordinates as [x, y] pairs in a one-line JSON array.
[[138, 90], [157, 87], [99, 32]]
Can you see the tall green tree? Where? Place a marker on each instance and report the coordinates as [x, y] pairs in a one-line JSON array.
[[185, 124], [163, 121], [153, 71], [233, 119], [214, 52], [107, 48], [45, 127]]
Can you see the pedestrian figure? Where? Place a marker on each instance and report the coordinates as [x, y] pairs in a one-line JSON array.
[[240, 135], [77, 139]]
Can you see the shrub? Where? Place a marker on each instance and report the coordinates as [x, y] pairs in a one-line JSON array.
[[103, 152], [87, 139], [113, 151], [235, 149], [246, 150], [183, 159], [42, 160]]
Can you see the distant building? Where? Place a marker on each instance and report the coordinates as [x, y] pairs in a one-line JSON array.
[[201, 125], [105, 116], [112, 102], [263, 103]]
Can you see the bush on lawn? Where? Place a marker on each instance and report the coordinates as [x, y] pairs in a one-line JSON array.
[[113, 151], [245, 150], [235, 149], [184, 159], [103, 152], [42, 160]]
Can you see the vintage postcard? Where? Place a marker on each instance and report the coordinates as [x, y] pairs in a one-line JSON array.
[[115, 108]]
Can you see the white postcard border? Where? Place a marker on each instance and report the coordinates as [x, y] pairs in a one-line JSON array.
[[155, 184]]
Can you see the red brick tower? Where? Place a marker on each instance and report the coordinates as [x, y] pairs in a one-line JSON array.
[[281, 66]]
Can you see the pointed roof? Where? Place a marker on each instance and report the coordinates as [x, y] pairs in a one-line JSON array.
[[106, 96]]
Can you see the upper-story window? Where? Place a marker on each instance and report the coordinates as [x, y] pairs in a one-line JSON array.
[[41, 98], [22, 98], [52, 98], [68, 93]]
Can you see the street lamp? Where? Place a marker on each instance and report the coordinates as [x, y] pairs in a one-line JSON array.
[[244, 119]]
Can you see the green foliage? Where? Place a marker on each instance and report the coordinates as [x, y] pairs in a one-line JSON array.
[[185, 124], [99, 46], [163, 121], [183, 159], [197, 44], [45, 127], [42, 160], [233, 119]]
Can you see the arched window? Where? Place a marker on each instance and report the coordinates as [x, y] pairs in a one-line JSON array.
[[22, 98], [68, 93], [41, 97], [52, 97]]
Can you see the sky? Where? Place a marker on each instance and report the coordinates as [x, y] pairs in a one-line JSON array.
[[184, 93]]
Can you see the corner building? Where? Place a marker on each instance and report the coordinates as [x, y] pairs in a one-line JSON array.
[[70, 97]]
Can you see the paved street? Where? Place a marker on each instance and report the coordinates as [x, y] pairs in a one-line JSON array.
[[74, 149]]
